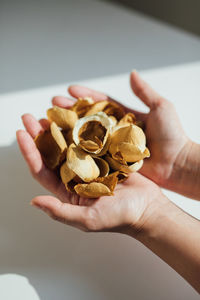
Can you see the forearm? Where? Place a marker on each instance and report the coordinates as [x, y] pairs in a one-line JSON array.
[[175, 237], [185, 176]]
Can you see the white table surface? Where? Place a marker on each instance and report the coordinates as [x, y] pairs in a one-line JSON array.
[[61, 262]]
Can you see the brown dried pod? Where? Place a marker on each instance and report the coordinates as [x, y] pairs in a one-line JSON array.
[[66, 173], [123, 167], [109, 107], [102, 165], [129, 118], [102, 186], [82, 106], [64, 118], [68, 136], [91, 132], [81, 163], [52, 146], [128, 143]]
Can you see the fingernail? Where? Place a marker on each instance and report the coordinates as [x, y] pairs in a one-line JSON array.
[[134, 71]]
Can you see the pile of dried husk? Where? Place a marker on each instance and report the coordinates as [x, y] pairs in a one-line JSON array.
[[97, 146]]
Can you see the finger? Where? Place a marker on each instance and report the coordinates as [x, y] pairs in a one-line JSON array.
[[77, 91], [63, 102], [44, 123], [39, 171], [32, 125], [143, 91], [29, 151], [66, 213]]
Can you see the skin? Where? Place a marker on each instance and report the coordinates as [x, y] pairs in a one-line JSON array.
[[138, 207]]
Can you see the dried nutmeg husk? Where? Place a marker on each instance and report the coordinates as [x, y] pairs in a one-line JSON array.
[[82, 106], [66, 173], [129, 118], [81, 163], [122, 176], [92, 132], [123, 167], [68, 136], [64, 118], [113, 120], [96, 107], [114, 109], [102, 186], [52, 146], [102, 165], [92, 190], [109, 107], [128, 143]]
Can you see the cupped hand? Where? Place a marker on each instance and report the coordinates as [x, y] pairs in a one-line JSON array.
[[165, 136], [127, 210]]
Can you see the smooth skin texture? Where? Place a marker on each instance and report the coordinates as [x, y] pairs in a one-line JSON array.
[[138, 207]]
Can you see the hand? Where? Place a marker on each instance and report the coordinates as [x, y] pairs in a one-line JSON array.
[[134, 200], [165, 136]]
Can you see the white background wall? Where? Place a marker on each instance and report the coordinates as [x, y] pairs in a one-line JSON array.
[[46, 42]]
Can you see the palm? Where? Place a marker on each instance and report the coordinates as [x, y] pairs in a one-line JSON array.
[[165, 138], [124, 208]]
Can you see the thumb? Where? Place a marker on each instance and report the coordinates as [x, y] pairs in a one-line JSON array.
[[143, 91], [63, 212]]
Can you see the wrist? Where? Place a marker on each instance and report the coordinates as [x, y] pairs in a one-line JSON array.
[[157, 221], [185, 176], [153, 213]]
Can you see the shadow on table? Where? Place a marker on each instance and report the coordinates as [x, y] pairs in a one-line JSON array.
[[64, 263]]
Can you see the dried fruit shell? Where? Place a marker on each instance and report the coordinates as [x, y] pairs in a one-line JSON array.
[[92, 132], [128, 143], [52, 146], [66, 173], [96, 107], [114, 109], [64, 118], [82, 106], [122, 176], [92, 190], [68, 136], [102, 186], [102, 165], [109, 107], [81, 163], [129, 118], [126, 168]]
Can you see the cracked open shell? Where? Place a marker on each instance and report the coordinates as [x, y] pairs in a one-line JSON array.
[[128, 144], [82, 106], [64, 118], [92, 132], [52, 146], [123, 167], [102, 186], [109, 107], [81, 163]]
